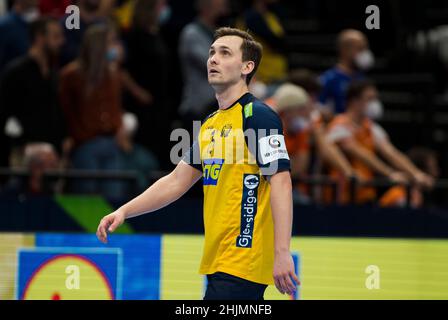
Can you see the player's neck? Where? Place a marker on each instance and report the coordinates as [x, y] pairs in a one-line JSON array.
[[230, 94]]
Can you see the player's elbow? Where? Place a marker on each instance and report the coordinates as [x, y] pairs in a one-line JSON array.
[[281, 181]]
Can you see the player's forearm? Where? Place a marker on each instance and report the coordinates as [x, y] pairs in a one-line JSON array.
[[163, 192], [281, 206]]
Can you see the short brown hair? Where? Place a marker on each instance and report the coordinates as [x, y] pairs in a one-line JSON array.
[[306, 79], [252, 50], [357, 88]]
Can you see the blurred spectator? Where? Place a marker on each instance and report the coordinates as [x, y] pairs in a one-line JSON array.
[[258, 89], [198, 97], [90, 93], [148, 64], [3, 7], [38, 158], [133, 155], [307, 80], [364, 141], [354, 59], [123, 14], [304, 135], [14, 37], [90, 14], [107, 8], [264, 21], [54, 8], [28, 90], [426, 160]]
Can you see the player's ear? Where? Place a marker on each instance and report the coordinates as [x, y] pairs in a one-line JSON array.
[[248, 67]]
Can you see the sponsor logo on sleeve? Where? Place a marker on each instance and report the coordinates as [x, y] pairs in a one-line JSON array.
[[272, 148]]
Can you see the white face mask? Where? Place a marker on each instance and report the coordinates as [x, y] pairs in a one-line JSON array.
[[31, 15], [299, 124], [365, 60], [374, 110], [130, 123], [13, 128]]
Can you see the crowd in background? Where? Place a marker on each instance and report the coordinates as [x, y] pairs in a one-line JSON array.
[[105, 97]]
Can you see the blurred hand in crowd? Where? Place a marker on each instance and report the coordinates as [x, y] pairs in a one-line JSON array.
[[144, 97], [398, 177], [424, 180]]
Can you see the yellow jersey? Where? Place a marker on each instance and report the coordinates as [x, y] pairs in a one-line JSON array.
[[237, 149]]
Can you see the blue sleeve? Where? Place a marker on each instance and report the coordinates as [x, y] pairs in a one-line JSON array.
[[325, 92], [192, 156], [264, 137]]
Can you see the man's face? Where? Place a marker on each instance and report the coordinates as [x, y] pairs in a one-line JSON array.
[[54, 38], [358, 46], [303, 112], [225, 65], [369, 95]]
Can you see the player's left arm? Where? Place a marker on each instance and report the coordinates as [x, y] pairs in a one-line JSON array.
[[274, 163], [282, 208]]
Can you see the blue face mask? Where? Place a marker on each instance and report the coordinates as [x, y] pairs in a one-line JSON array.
[[112, 54], [165, 15]]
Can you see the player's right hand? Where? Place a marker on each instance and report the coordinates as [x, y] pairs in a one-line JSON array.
[[109, 224]]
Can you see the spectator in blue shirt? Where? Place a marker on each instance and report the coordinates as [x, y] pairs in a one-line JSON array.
[[14, 38], [354, 59]]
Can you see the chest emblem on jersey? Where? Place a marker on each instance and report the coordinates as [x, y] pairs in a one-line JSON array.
[[225, 131], [211, 145], [212, 169]]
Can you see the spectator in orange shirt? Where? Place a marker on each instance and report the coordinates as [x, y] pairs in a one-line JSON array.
[[363, 141], [426, 160], [303, 129]]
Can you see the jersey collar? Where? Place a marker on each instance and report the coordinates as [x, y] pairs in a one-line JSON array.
[[243, 100]]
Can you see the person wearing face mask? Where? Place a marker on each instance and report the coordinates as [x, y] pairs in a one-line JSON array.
[[14, 35], [304, 136], [90, 94], [364, 142], [28, 91], [89, 12], [355, 58], [198, 98], [148, 63]]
